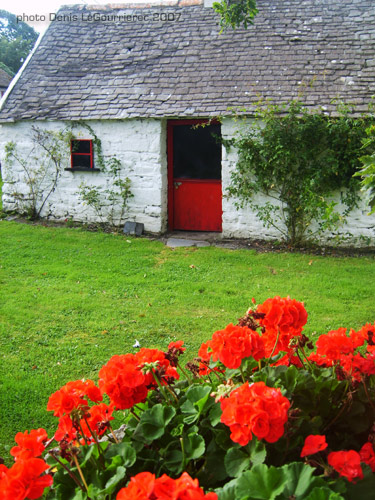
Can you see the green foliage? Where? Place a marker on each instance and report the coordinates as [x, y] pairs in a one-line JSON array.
[[16, 40], [109, 204], [367, 172], [234, 13], [298, 158]]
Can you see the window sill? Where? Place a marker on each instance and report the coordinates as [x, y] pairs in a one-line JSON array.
[[82, 169]]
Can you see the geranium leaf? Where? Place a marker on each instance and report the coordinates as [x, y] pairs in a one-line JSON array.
[[320, 493], [114, 480], [257, 451], [124, 451], [228, 491], [236, 461], [364, 488], [173, 461], [215, 414], [260, 483], [154, 421], [300, 480], [194, 446]]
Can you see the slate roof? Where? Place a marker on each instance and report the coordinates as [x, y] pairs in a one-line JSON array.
[[174, 62], [5, 79]]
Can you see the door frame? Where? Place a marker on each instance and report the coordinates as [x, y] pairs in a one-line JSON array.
[[170, 125]]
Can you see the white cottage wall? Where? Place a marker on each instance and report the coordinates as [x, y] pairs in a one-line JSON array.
[[138, 144]]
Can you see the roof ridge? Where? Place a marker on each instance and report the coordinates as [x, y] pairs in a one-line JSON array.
[[130, 5]]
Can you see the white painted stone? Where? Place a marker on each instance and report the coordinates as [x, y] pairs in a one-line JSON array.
[[140, 145], [136, 143]]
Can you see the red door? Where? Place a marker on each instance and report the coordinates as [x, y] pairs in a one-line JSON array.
[[194, 176]]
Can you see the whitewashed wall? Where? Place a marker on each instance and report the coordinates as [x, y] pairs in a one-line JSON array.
[[140, 145]]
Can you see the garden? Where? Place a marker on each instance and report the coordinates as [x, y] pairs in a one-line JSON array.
[[132, 370]]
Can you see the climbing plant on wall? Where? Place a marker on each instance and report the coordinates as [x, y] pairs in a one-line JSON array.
[[295, 159]]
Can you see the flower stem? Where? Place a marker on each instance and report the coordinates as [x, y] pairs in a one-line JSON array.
[[156, 378], [71, 474], [274, 347], [80, 471], [113, 434], [184, 373], [93, 434]]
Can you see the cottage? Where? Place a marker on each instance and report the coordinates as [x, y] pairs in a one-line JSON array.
[[138, 77]]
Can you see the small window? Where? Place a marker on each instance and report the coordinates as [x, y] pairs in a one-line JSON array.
[[82, 154]]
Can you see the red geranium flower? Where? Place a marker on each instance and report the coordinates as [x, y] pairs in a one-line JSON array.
[[73, 396], [285, 315], [66, 430], [29, 445], [127, 379], [177, 346], [255, 409], [313, 444], [334, 343], [235, 343], [347, 464], [24, 480], [144, 486], [123, 381], [367, 455], [98, 420]]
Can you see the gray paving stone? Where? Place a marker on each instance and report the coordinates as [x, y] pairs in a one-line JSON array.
[[182, 242]]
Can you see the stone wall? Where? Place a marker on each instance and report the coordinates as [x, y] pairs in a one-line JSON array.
[[138, 144]]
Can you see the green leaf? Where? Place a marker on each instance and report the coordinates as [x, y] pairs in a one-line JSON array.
[[215, 414], [198, 400], [236, 461], [114, 480], [123, 450], [228, 492], [364, 488], [257, 451], [153, 422], [300, 480], [194, 446], [173, 461], [323, 493], [260, 483]]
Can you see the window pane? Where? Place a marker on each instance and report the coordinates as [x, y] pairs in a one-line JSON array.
[[196, 152], [81, 146], [81, 161]]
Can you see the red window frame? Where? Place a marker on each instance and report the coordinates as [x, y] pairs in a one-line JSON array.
[[74, 154]]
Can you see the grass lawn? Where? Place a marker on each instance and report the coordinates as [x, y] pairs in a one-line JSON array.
[[71, 299]]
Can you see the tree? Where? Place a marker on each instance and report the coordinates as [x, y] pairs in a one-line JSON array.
[[234, 13], [16, 40]]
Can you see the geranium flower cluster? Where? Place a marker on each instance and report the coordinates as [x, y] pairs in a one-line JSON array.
[[346, 463], [255, 409], [336, 348], [128, 378], [280, 320], [145, 486], [26, 478]]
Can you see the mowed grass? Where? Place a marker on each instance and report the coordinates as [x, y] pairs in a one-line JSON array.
[[70, 299]]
